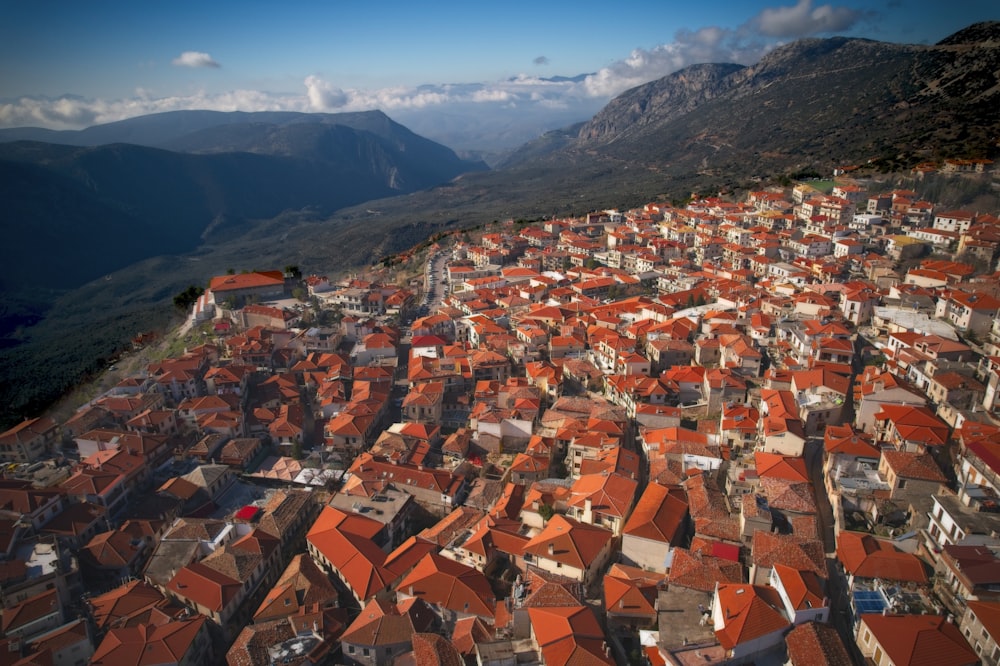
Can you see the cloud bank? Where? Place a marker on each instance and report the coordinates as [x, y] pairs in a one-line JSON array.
[[524, 93]]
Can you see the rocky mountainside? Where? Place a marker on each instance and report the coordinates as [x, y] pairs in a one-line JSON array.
[[815, 103]]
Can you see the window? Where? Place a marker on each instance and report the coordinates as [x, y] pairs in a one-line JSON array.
[[364, 651], [868, 637], [901, 484]]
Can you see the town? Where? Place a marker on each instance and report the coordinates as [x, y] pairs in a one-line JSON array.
[[757, 431]]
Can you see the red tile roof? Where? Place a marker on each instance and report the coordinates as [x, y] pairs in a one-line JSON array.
[[748, 612], [864, 556], [147, 644], [920, 640]]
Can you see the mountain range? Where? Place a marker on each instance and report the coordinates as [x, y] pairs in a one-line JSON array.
[[116, 218]]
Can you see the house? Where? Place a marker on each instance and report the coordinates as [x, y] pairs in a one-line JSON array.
[[302, 585], [28, 440], [568, 635], [967, 573], [569, 548], [455, 589], [384, 631], [980, 624], [175, 642], [658, 525], [816, 644], [33, 616], [951, 522], [911, 639], [866, 557], [630, 595], [748, 619], [347, 545], [802, 592], [910, 428]]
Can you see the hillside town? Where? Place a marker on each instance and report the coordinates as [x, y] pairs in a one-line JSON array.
[[760, 431]]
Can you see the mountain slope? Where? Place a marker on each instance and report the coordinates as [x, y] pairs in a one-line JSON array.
[[815, 102], [101, 208]]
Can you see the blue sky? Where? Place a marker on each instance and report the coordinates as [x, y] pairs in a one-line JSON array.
[[69, 64]]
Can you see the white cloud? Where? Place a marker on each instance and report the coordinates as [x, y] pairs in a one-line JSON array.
[[528, 93], [195, 59], [323, 96], [803, 20], [710, 44]]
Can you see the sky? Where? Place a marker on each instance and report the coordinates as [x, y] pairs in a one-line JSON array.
[[67, 65]]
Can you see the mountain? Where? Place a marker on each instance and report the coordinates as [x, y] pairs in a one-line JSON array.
[[814, 103], [93, 210]]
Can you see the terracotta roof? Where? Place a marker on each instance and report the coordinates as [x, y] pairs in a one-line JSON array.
[[790, 468], [659, 514], [383, 623], [748, 612], [864, 556], [147, 644], [769, 548], [569, 635], [920, 640], [205, 586], [118, 606], [919, 466], [302, 584], [346, 541], [453, 585], [434, 650], [816, 644], [573, 543], [624, 596], [697, 571]]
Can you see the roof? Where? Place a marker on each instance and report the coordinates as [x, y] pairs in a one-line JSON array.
[[453, 585], [659, 514], [147, 644], [748, 612], [122, 603], [383, 623], [345, 540], [816, 644], [569, 635], [31, 610], [770, 548], [573, 543], [204, 586], [864, 556], [223, 283], [917, 466], [920, 640]]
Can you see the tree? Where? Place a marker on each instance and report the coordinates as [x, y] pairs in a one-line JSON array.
[[188, 297], [546, 512], [297, 450]]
